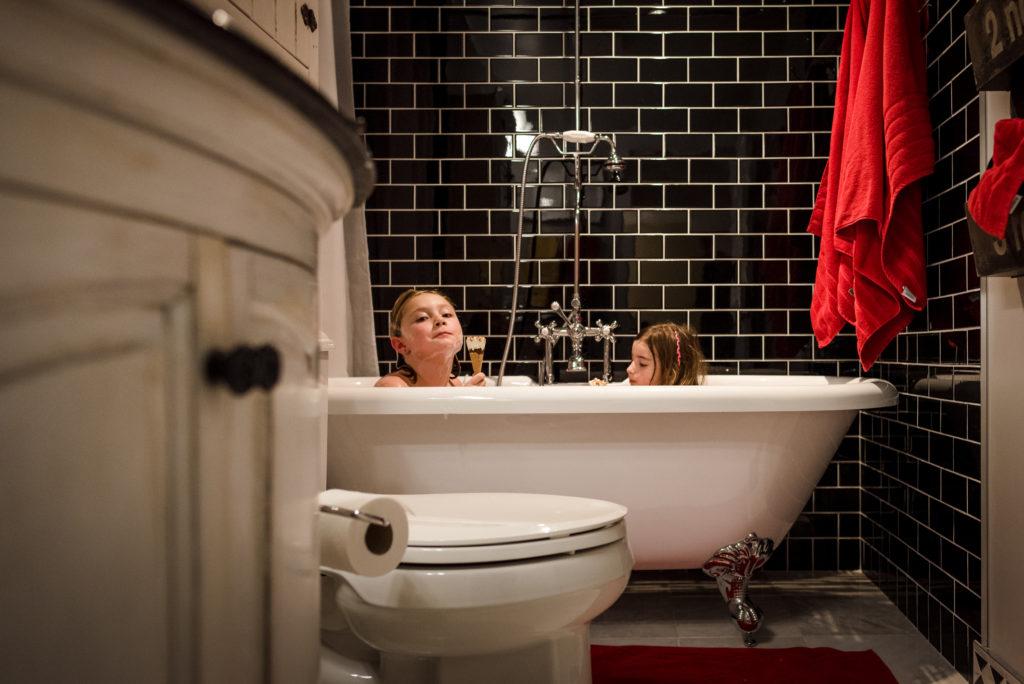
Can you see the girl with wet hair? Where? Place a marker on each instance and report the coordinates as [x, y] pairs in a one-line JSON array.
[[666, 354]]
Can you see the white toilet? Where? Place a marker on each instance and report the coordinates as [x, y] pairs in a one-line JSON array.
[[494, 587]]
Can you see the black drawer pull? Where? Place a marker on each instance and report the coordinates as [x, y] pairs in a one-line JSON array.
[[244, 368]]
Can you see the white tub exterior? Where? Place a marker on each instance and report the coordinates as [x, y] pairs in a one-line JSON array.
[[698, 467]]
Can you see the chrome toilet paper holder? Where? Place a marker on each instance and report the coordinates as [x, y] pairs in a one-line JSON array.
[[356, 514]]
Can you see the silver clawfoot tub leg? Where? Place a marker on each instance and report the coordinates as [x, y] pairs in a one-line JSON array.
[[732, 566]]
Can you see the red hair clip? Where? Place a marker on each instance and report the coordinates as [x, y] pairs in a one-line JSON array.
[[679, 354]]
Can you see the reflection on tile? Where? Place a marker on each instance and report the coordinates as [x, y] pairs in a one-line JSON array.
[[843, 610]]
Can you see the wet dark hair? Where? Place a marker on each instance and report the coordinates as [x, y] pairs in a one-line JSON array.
[[395, 329], [678, 359]]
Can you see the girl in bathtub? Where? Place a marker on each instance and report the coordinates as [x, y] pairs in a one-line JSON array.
[[666, 354], [426, 334]]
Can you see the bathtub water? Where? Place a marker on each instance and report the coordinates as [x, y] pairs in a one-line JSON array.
[[698, 467]]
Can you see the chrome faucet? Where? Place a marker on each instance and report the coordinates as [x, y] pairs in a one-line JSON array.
[[573, 327], [576, 331]]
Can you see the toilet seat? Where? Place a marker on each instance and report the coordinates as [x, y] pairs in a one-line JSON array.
[[517, 575], [448, 529]]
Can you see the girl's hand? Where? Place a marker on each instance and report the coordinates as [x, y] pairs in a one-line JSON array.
[[478, 380]]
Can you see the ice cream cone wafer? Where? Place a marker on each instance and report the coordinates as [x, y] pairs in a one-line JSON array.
[[475, 345]]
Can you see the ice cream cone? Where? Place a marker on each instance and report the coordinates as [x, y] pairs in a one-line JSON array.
[[475, 346]]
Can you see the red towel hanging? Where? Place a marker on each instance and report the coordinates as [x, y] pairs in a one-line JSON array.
[[871, 266]]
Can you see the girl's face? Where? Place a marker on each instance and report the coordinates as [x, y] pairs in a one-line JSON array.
[[429, 328], [641, 370]]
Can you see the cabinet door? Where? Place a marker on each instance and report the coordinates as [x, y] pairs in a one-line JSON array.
[[258, 474], [282, 312], [277, 27], [96, 326], [155, 527]]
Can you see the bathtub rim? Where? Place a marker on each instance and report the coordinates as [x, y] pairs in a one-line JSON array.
[[726, 394]]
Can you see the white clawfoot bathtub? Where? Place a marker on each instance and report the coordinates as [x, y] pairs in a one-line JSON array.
[[698, 467]]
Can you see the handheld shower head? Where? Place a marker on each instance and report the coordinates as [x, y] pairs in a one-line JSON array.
[[615, 166]]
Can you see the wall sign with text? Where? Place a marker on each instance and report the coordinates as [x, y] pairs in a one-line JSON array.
[[995, 38]]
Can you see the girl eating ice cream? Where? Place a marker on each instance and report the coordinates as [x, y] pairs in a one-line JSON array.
[[426, 334]]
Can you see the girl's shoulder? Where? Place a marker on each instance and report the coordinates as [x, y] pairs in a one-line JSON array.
[[396, 379]]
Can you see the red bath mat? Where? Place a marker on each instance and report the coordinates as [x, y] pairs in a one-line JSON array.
[[679, 665]]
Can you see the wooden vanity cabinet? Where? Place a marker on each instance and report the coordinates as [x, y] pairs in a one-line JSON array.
[[159, 403]]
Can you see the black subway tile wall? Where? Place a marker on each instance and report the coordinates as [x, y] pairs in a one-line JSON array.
[[722, 113], [921, 474]]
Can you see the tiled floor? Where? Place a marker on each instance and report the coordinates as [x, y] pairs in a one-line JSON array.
[[841, 610]]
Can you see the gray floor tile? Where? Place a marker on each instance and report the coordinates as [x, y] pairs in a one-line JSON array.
[[842, 610]]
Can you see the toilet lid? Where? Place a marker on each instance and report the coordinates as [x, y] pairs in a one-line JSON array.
[[499, 526]]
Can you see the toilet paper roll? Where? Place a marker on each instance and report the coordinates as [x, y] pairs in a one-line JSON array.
[[361, 547]]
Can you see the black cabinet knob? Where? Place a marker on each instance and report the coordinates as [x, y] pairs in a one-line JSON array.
[[244, 368], [308, 17]]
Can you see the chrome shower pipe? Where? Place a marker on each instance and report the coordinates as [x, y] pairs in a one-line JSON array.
[[576, 64], [577, 216], [577, 175], [582, 138], [577, 137]]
